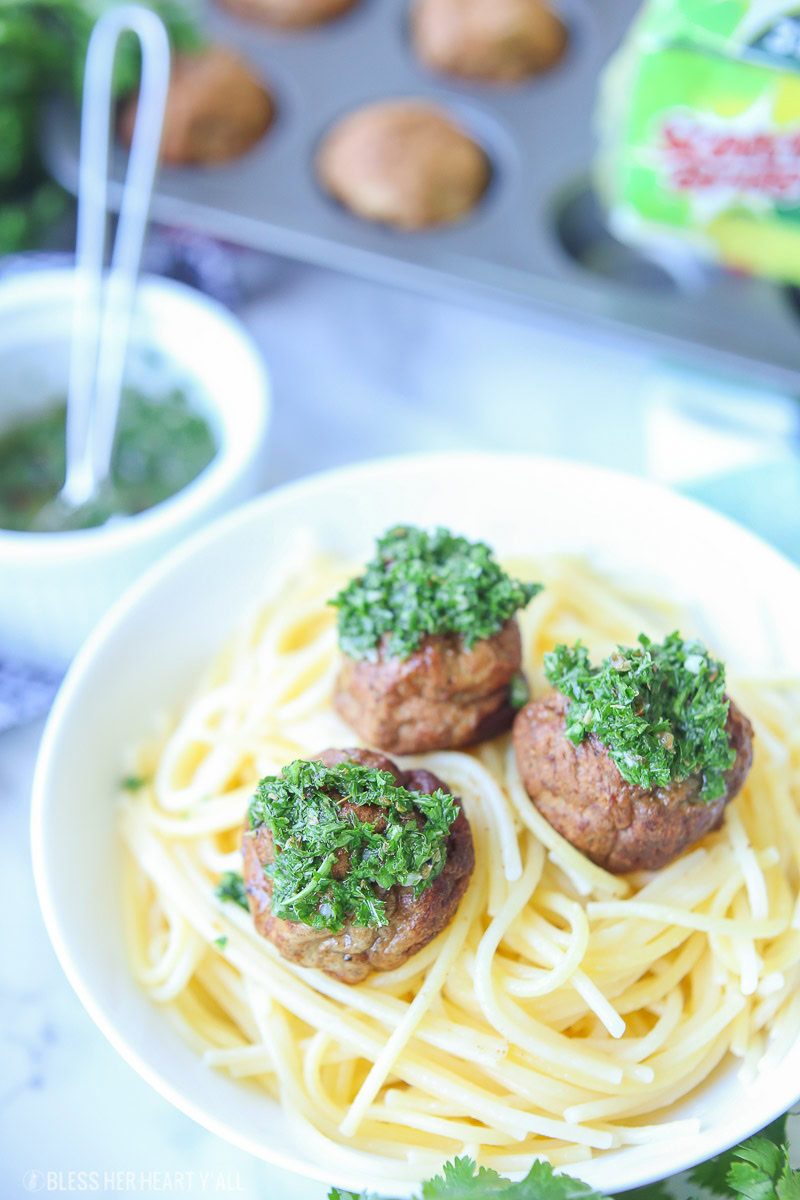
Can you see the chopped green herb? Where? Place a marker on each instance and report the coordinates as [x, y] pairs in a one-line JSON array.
[[714, 1174], [518, 692], [231, 887], [659, 709], [311, 828], [421, 584], [132, 783], [221, 942]]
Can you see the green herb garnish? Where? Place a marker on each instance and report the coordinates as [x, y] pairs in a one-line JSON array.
[[518, 691], [659, 709], [421, 584], [221, 941], [302, 808], [231, 887], [133, 783]]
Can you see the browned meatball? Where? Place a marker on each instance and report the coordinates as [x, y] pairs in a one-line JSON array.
[[619, 826], [289, 13], [353, 953], [497, 40], [216, 109], [441, 696], [404, 163]]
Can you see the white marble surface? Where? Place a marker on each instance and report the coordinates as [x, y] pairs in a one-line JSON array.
[[358, 371]]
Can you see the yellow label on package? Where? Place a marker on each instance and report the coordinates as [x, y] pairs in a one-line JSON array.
[[700, 119]]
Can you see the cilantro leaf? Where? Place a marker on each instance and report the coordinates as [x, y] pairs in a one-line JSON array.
[[231, 887], [788, 1185], [314, 814], [758, 1165], [459, 1181], [713, 1175], [421, 584], [659, 709]]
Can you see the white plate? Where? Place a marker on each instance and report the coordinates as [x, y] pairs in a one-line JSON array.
[[148, 650]]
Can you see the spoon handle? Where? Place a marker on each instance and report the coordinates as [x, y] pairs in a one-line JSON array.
[[103, 310]]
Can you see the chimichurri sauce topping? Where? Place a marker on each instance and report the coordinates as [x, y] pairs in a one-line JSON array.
[[659, 709], [162, 444], [309, 810], [420, 584]]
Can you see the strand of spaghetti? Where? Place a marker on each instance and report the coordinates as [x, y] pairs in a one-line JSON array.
[[519, 1164], [212, 768], [190, 1018], [191, 950], [599, 879], [215, 815], [399, 977], [507, 1017], [215, 860], [656, 1098], [254, 1058], [565, 970], [224, 986], [639, 1049], [642, 1135], [665, 914], [313, 1065], [651, 885], [691, 1042], [748, 863], [410, 1118], [431, 987]]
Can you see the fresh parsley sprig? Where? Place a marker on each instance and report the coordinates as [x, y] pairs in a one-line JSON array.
[[313, 831], [421, 584], [659, 709], [758, 1169]]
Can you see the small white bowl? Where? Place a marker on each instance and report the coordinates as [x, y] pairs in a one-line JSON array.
[[150, 650], [54, 587]]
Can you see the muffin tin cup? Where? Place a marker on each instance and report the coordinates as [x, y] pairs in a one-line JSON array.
[[535, 240]]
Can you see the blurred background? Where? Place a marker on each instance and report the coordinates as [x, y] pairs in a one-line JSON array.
[[570, 228]]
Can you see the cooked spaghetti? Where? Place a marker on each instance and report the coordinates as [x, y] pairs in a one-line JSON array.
[[561, 1012]]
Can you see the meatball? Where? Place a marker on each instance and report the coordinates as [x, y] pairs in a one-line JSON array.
[[290, 13], [441, 696], [404, 163], [216, 109], [497, 40], [618, 825], [353, 953]]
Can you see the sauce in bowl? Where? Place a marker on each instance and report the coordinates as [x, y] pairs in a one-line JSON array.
[[161, 445]]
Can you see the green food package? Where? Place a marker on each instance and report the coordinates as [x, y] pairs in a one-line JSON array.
[[699, 122]]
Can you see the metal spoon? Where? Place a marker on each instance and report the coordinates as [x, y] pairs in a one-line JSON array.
[[103, 306]]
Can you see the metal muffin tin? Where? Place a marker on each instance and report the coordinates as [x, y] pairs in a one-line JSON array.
[[537, 237]]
